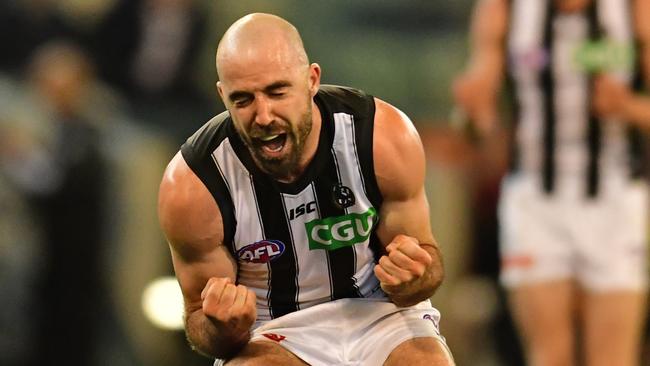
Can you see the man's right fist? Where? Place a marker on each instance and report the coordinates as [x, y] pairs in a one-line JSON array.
[[474, 96], [230, 307]]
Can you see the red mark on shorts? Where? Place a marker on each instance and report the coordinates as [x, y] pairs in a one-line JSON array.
[[522, 261], [274, 337]]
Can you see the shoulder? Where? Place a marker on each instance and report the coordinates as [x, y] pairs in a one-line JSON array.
[[397, 151], [346, 99], [188, 214], [202, 142]]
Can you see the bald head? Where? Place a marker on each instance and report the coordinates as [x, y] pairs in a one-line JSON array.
[[260, 37]]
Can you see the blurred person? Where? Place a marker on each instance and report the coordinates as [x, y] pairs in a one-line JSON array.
[[19, 263], [573, 208], [66, 184], [25, 25], [298, 234], [20, 254], [147, 49]]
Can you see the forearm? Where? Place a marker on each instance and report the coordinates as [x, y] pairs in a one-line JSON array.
[[426, 285], [205, 338]]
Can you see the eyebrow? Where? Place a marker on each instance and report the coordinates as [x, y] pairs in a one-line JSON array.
[[277, 85], [267, 89]]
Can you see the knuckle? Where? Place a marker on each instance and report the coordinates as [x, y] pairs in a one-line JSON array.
[[210, 295], [400, 237], [394, 281], [219, 280], [384, 260], [377, 270], [418, 271], [242, 289]]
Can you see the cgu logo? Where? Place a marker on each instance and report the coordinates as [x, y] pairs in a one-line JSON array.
[[261, 252], [336, 232]]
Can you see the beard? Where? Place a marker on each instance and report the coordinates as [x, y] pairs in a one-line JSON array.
[[287, 166]]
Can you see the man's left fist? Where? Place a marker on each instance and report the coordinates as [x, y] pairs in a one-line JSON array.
[[404, 263]]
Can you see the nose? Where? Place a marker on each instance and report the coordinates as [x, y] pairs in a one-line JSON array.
[[263, 115]]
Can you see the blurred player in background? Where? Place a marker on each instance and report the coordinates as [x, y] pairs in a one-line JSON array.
[[573, 210]]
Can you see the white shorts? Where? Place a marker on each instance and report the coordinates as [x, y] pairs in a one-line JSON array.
[[349, 331], [601, 243]]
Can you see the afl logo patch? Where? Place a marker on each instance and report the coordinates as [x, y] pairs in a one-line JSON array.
[[262, 251], [343, 196]]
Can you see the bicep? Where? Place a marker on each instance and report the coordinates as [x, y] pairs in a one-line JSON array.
[[400, 170], [192, 224]]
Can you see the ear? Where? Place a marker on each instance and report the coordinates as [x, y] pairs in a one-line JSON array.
[[220, 92], [314, 78]]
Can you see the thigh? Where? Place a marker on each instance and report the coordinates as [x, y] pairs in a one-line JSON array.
[[263, 353], [612, 327], [402, 333], [424, 351], [534, 245], [544, 314], [612, 239]]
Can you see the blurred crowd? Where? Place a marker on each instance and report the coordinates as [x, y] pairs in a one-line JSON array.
[[84, 86]]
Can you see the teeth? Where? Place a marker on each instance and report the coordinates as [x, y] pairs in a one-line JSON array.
[[268, 138]]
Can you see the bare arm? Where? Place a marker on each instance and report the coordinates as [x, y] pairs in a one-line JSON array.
[[476, 90], [412, 268], [642, 29], [614, 99], [218, 313]]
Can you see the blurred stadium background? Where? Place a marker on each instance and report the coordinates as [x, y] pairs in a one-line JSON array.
[[97, 95]]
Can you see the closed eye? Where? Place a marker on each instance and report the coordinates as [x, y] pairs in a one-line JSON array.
[[277, 89], [240, 99], [243, 102]]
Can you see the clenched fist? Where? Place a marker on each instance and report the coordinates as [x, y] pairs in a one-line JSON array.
[[404, 264], [474, 97], [230, 307], [610, 96]]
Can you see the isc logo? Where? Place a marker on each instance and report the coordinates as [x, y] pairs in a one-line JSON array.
[[262, 251], [302, 209]]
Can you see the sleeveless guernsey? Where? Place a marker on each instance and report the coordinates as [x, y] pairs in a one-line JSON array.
[[552, 60], [311, 241]]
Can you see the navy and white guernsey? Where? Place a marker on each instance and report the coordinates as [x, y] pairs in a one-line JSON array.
[[552, 60], [310, 241]]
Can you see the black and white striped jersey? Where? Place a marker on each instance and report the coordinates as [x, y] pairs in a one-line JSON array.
[[552, 60], [310, 241]]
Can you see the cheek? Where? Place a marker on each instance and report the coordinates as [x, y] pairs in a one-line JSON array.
[[241, 124], [242, 117], [295, 110]]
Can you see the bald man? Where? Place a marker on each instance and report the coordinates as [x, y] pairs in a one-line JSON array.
[[298, 233]]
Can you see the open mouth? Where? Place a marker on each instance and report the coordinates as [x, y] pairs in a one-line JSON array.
[[273, 144]]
